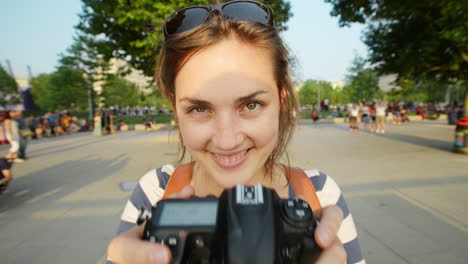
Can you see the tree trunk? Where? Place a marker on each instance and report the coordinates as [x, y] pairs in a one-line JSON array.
[[90, 100]]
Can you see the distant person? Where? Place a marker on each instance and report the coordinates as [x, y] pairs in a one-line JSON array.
[[12, 133], [97, 124], [325, 104], [103, 118], [5, 170], [314, 116], [404, 115], [380, 112], [120, 124], [452, 115], [52, 122], [353, 115], [24, 133], [420, 111], [31, 124], [110, 124], [3, 139], [84, 125], [366, 116]]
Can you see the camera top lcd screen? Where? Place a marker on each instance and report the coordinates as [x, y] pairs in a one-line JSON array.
[[187, 213]]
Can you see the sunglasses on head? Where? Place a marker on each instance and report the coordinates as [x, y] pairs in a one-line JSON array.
[[191, 17]]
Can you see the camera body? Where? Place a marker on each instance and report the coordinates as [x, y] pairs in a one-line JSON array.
[[245, 225]]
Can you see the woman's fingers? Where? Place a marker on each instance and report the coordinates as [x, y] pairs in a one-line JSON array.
[[335, 253], [130, 248], [330, 219]]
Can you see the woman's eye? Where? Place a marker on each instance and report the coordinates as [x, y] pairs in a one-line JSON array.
[[199, 109], [251, 106]]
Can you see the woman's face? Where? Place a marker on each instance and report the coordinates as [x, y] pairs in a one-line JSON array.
[[227, 106]]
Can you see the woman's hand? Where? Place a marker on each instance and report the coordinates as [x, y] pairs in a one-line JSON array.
[[326, 237], [130, 248]]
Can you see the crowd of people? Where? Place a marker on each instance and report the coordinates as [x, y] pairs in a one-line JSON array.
[[373, 116], [138, 111], [47, 125]]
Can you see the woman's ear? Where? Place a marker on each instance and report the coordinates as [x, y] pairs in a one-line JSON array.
[[283, 94]]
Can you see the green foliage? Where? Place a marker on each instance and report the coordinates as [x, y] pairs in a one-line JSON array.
[[362, 83], [412, 37], [417, 39], [428, 91], [153, 99], [118, 91], [130, 30], [60, 90], [8, 89], [309, 93], [84, 55]]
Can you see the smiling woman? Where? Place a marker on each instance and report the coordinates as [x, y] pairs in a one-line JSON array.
[[227, 77], [237, 130]]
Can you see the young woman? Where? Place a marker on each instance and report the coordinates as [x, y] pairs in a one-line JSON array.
[[97, 130], [226, 72], [12, 131]]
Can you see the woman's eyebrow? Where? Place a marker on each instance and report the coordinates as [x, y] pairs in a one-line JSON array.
[[238, 100], [249, 97], [195, 101]]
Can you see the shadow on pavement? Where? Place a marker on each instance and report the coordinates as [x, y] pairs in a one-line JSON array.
[[383, 186], [443, 145], [58, 181], [48, 149]]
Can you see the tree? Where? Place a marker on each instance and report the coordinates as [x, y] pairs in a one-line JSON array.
[[8, 89], [422, 40], [84, 56], [362, 83], [118, 91], [308, 93], [60, 90], [130, 30]]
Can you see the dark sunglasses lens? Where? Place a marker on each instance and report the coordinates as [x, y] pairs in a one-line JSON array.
[[185, 20], [246, 11]]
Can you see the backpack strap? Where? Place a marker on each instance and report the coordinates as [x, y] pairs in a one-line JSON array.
[[301, 184], [180, 178]]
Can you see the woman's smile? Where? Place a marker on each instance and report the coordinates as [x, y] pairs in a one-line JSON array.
[[230, 160]]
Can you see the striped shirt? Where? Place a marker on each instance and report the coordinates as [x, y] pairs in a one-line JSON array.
[[151, 186]]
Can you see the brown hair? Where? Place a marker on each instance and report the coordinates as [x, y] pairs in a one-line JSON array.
[[175, 51]]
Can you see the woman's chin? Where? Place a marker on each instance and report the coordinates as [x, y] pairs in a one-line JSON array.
[[233, 180]]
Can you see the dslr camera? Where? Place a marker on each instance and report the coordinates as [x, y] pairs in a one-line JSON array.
[[248, 225]]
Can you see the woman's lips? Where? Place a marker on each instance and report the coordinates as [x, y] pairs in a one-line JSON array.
[[230, 161]]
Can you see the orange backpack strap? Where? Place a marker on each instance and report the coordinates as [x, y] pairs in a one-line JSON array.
[[302, 186], [180, 178]]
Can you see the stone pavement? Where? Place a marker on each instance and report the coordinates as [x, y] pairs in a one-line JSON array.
[[405, 189]]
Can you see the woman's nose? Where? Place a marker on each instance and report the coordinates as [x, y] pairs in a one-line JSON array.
[[228, 134]]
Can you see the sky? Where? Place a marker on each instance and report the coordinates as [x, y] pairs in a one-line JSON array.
[[35, 33]]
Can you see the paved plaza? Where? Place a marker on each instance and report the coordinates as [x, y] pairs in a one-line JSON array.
[[407, 191]]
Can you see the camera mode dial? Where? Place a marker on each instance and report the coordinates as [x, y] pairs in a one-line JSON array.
[[297, 211]]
